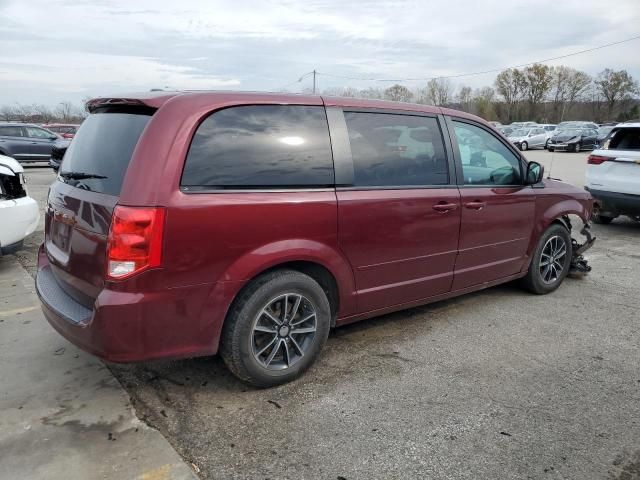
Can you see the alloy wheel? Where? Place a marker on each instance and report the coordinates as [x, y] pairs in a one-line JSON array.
[[553, 259], [283, 331]]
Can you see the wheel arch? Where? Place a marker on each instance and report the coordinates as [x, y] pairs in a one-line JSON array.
[[556, 213], [320, 261]]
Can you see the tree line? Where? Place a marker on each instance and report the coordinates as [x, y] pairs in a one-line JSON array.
[[534, 93], [64, 112]]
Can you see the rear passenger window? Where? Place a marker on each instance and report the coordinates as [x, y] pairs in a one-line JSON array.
[[261, 146], [396, 150], [624, 139], [11, 131]]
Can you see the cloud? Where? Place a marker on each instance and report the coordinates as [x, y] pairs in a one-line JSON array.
[[68, 49]]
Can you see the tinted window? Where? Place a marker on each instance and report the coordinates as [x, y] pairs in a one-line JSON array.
[[485, 160], [34, 132], [11, 131], [396, 150], [261, 146], [625, 139], [103, 146]]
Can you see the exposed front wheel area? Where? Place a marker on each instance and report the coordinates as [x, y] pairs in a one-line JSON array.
[[551, 260], [276, 328]]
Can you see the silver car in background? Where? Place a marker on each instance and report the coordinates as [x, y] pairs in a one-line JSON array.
[[526, 138]]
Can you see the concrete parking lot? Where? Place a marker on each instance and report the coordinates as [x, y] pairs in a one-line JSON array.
[[496, 384]]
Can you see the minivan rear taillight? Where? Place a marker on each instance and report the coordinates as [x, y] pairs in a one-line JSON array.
[[598, 159], [135, 241]]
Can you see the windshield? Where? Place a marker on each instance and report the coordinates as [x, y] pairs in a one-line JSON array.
[[569, 131], [521, 132], [99, 154]]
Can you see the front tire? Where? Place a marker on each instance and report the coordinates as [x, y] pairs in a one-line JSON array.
[[550, 149], [276, 328], [546, 144], [576, 148], [550, 262]]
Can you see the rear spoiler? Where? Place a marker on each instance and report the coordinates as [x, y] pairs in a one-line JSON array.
[[95, 103], [153, 100]]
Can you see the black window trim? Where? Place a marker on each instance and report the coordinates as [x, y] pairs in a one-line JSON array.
[[449, 119], [199, 190], [343, 162]]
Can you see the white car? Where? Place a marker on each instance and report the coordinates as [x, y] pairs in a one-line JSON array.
[[613, 174], [19, 213], [527, 137]]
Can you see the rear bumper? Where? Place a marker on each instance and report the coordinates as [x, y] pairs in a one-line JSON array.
[[130, 327], [614, 203]]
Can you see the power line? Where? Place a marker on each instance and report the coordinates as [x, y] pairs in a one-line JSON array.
[[299, 79], [472, 73]]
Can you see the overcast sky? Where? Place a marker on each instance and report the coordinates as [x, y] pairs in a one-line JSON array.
[[57, 50]]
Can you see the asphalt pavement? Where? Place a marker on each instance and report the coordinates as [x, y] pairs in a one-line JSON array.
[[496, 384]]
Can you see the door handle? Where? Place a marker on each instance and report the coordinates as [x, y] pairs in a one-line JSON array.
[[445, 207], [475, 205]]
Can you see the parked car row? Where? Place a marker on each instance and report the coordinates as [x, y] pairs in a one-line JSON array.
[[572, 136], [28, 143]]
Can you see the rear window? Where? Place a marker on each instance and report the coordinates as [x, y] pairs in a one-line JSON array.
[[624, 139], [102, 149], [11, 131], [260, 146]]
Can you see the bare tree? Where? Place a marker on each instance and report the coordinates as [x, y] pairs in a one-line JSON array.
[[42, 113], [615, 86], [510, 85], [465, 98], [64, 111], [7, 113], [23, 112], [537, 84], [483, 100], [373, 93], [439, 91], [577, 85], [398, 93]]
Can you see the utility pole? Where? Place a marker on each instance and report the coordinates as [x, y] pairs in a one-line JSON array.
[[314, 82]]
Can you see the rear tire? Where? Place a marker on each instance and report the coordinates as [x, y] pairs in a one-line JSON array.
[[524, 146], [601, 219], [576, 148], [550, 149], [550, 261], [264, 341]]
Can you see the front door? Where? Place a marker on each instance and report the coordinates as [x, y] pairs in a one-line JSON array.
[[40, 143], [498, 211], [398, 221]]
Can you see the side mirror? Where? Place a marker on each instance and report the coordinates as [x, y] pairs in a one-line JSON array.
[[535, 173], [53, 137]]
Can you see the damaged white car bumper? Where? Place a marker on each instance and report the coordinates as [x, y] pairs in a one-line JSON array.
[[19, 213]]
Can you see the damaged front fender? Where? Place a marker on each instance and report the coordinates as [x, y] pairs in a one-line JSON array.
[[579, 266]]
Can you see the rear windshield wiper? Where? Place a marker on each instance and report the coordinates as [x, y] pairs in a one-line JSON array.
[[79, 175]]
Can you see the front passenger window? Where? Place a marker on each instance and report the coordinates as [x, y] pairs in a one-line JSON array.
[[485, 159]]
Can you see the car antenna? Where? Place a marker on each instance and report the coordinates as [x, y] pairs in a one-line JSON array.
[[553, 157]]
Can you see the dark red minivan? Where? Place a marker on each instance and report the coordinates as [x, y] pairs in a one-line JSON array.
[[185, 224]]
